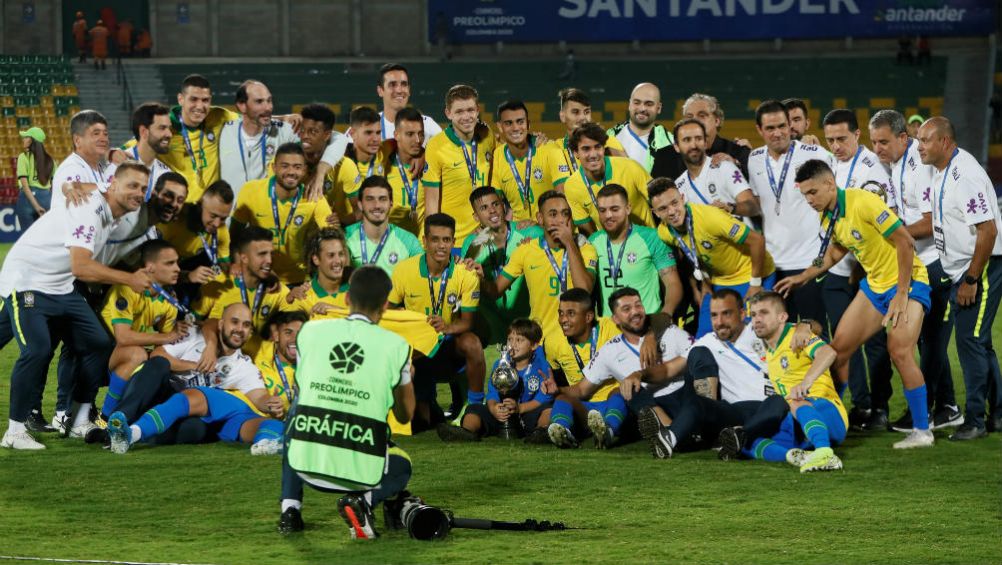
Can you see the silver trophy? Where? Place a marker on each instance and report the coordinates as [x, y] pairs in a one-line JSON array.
[[505, 381]]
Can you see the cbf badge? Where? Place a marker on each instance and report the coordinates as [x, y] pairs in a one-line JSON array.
[[29, 299], [393, 258], [784, 362], [532, 383], [211, 137], [453, 300], [298, 220], [537, 174]]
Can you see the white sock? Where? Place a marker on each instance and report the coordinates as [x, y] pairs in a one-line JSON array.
[[83, 415], [59, 415], [15, 427], [137, 434], [288, 503]]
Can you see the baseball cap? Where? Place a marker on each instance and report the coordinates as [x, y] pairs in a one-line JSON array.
[[915, 118], [35, 133]]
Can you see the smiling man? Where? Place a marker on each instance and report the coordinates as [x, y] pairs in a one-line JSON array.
[[523, 167], [640, 135], [394, 87], [374, 240]]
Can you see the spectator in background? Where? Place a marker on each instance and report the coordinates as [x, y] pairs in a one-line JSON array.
[[124, 37], [80, 36], [144, 42], [924, 51], [34, 177], [99, 45], [914, 123]]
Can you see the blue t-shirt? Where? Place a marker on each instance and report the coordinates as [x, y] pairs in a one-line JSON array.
[[530, 380]]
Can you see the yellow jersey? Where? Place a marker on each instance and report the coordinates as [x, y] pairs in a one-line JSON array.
[[195, 152], [408, 197], [572, 365], [340, 184], [187, 237], [279, 377], [456, 168], [565, 162], [412, 326], [788, 369], [414, 290], [718, 240], [218, 294], [511, 174], [581, 191], [317, 294], [143, 312], [863, 225], [297, 220]]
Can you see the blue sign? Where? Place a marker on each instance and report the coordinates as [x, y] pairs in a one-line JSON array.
[[28, 13], [183, 13], [591, 21], [10, 228]]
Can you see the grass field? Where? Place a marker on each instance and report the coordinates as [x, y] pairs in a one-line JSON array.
[[218, 504]]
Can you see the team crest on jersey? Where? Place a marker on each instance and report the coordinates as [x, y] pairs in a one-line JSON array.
[[453, 300], [712, 188], [784, 362], [157, 320], [857, 235], [29, 299], [265, 310], [298, 220], [225, 369], [269, 150], [211, 137], [537, 174], [631, 257], [706, 244], [759, 348], [122, 304], [392, 258]]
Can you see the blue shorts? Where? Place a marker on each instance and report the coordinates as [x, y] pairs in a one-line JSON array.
[[919, 292], [228, 409], [787, 434], [705, 324]]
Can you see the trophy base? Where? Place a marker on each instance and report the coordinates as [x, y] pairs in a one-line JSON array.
[[510, 431]]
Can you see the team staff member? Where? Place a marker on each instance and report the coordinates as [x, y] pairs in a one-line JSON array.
[[34, 177], [640, 136], [668, 161], [597, 170], [152, 130], [278, 204], [800, 123], [394, 87], [575, 111], [201, 237], [458, 161], [523, 167], [317, 139], [894, 294], [404, 170], [276, 359], [85, 168], [704, 182], [967, 230], [330, 267], [374, 240]]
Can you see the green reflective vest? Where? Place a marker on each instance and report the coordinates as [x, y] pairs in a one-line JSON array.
[[346, 373]]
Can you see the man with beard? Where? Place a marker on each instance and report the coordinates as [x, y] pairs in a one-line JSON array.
[[330, 267], [704, 182], [524, 168], [374, 240], [640, 136], [201, 238], [151, 126], [800, 124], [575, 111], [278, 355], [318, 137], [135, 228], [668, 161]]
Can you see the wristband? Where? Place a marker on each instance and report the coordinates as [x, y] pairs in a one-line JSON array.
[[755, 281]]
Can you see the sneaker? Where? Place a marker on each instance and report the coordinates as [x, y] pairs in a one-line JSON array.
[[660, 439], [823, 459], [120, 433], [561, 436], [358, 515], [904, 423], [877, 421], [599, 430], [968, 432], [36, 423], [947, 417], [450, 433], [732, 441], [916, 438], [267, 447], [797, 457], [98, 419], [83, 430], [61, 423], [538, 436], [290, 521], [857, 416], [20, 440], [97, 435]]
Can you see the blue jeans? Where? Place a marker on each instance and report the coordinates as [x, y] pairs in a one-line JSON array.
[[24, 211], [978, 359]]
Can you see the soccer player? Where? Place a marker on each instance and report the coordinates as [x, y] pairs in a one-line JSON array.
[[405, 167], [806, 383], [374, 365], [394, 87], [491, 247], [640, 135], [277, 204], [703, 182], [459, 161], [201, 237], [668, 161], [575, 111], [597, 170], [894, 294], [800, 123], [233, 396], [151, 126], [318, 138], [448, 292], [523, 167], [276, 359], [374, 240], [85, 168], [967, 230], [723, 251], [584, 333], [551, 264], [634, 255], [789, 225], [330, 267], [366, 143], [38, 277]]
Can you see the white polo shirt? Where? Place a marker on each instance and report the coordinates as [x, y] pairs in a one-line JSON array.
[[859, 169], [75, 169], [132, 230], [431, 128], [742, 367], [791, 236], [912, 182], [40, 259], [962, 196], [619, 359], [723, 182], [233, 372]]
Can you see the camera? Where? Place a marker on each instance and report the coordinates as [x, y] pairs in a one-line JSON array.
[[424, 522]]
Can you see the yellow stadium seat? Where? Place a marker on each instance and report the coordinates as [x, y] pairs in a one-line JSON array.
[[616, 110]]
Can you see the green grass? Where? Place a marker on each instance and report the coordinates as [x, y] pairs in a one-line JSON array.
[[217, 504]]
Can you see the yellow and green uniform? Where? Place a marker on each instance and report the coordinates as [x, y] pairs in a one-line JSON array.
[[398, 245], [635, 263], [719, 241], [26, 169], [200, 164], [566, 163], [298, 220], [340, 184], [450, 171], [414, 290], [543, 282], [272, 370], [187, 237], [540, 178], [788, 369], [218, 294], [317, 294], [143, 312], [604, 330], [863, 225], [582, 192], [404, 200]]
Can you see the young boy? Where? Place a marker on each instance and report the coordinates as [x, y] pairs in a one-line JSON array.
[[533, 405]]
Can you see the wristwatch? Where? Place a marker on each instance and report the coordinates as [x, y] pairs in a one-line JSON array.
[[970, 280]]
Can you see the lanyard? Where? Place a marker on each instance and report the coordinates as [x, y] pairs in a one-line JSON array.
[[258, 295], [562, 271], [696, 190], [942, 185], [274, 210], [643, 143], [690, 249], [499, 263], [827, 239], [852, 166], [616, 265], [591, 350], [570, 157], [588, 183], [743, 356], [213, 251], [170, 298], [264, 152], [187, 143], [280, 369], [471, 162], [901, 178], [524, 188], [436, 307], [363, 243], [149, 183], [630, 347], [410, 187], [777, 190]]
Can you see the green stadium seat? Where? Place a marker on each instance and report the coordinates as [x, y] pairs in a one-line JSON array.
[[8, 111], [24, 122]]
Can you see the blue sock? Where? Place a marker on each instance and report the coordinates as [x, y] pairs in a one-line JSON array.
[[614, 413], [474, 397], [562, 414], [814, 427], [163, 416], [270, 429], [840, 387], [116, 386], [766, 450], [916, 398]]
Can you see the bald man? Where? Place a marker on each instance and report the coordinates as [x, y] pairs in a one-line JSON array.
[[639, 134]]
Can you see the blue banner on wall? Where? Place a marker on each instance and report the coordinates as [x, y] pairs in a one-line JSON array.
[[10, 228], [488, 21]]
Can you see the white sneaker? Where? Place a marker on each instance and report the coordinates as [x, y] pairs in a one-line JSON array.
[[797, 457], [267, 447], [916, 438], [60, 421], [82, 430], [21, 440]]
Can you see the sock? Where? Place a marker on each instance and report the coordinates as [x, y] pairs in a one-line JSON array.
[[840, 388], [766, 450], [615, 411], [562, 414], [136, 433], [116, 386], [288, 503], [916, 398], [15, 427], [163, 416], [814, 427], [82, 416], [269, 429], [474, 397]]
